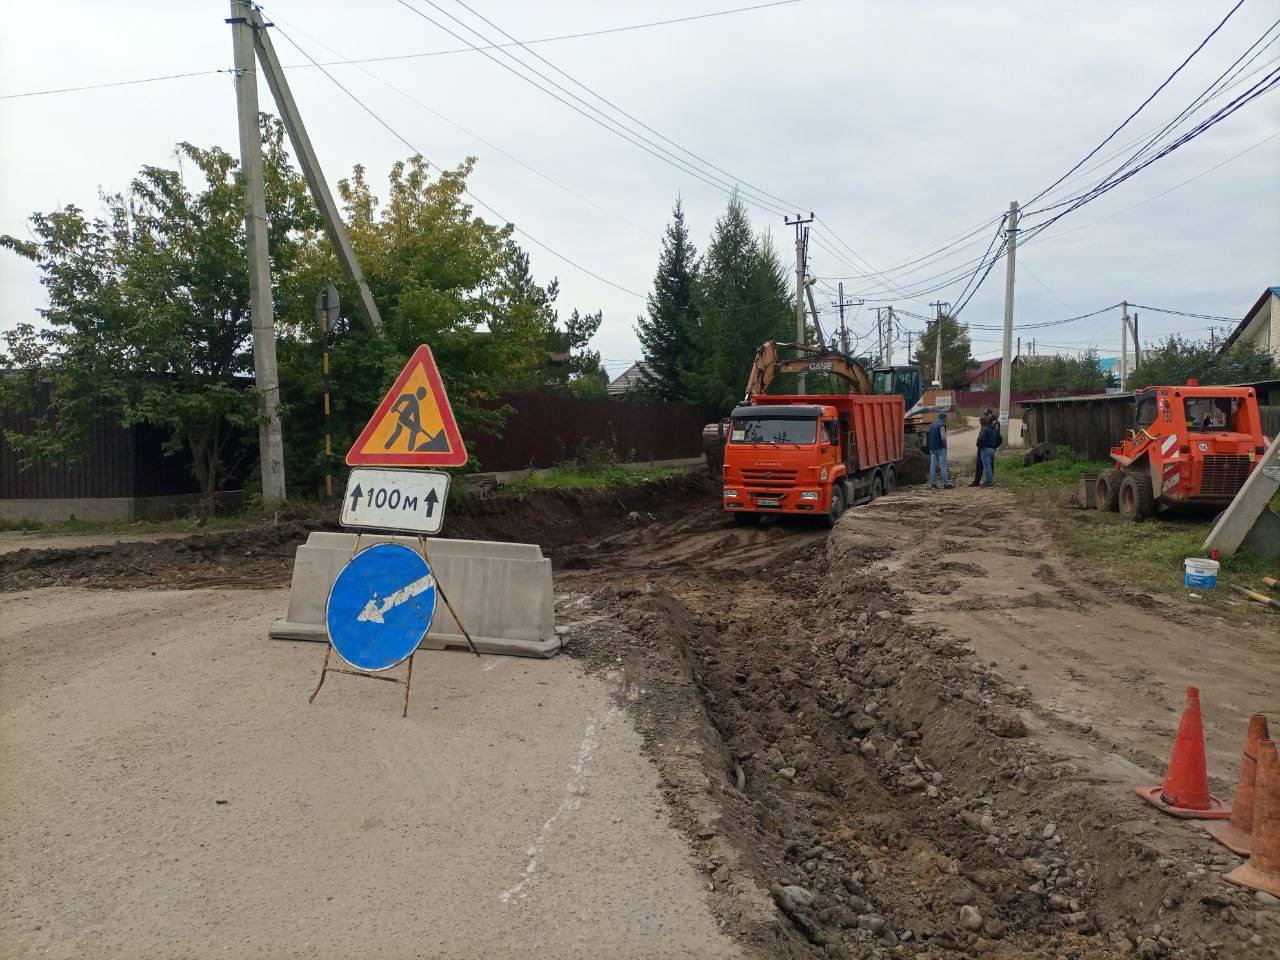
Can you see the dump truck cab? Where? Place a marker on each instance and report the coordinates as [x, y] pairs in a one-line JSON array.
[[1189, 446], [811, 455]]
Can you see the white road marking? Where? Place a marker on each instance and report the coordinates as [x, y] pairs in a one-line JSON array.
[[572, 801], [372, 613]]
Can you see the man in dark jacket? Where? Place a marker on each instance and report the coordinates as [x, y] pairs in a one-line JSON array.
[[938, 452], [989, 441], [977, 460]]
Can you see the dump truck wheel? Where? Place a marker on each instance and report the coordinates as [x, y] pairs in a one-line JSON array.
[[877, 486], [890, 479], [837, 507], [1107, 490], [1137, 499], [745, 518]]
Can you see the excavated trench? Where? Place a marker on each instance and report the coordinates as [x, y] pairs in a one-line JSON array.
[[852, 784], [855, 785]]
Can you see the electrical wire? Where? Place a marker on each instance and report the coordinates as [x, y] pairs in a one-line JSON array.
[[1142, 105], [395, 133], [492, 146], [415, 56]]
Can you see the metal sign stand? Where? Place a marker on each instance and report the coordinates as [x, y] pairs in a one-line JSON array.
[[325, 669]]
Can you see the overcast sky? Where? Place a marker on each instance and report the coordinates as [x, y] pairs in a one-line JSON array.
[[902, 125]]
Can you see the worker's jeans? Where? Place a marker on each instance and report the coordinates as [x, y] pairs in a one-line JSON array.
[[988, 457], [938, 465]]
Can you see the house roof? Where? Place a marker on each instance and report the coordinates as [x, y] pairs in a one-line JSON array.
[[1268, 292], [627, 379], [974, 372]]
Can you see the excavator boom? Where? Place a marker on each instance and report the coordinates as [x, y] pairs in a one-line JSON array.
[[768, 365]]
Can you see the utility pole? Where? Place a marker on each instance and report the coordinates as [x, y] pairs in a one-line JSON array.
[[327, 305], [937, 326], [1124, 346], [309, 163], [1019, 351], [909, 335], [261, 306], [841, 304], [1006, 363], [879, 337], [888, 340], [1137, 349], [802, 238]]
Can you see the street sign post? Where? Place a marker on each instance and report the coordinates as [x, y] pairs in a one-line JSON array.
[[408, 500], [380, 607]]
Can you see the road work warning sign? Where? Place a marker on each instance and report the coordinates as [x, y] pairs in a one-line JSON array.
[[413, 426]]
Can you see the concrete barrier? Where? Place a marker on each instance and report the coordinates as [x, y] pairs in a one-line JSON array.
[[502, 592]]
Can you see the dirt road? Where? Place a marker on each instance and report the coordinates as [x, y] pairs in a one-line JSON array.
[[1092, 654], [167, 791]]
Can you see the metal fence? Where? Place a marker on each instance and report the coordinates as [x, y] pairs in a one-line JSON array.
[[116, 461], [546, 429]]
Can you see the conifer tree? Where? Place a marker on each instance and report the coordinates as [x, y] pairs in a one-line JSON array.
[[667, 333]]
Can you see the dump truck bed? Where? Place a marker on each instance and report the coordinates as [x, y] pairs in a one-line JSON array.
[[876, 422]]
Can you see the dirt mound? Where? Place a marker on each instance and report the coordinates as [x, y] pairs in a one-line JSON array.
[[858, 786], [262, 556]]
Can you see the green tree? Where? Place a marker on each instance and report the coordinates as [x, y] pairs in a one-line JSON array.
[[667, 334], [957, 351], [440, 276], [1176, 360], [742, 301], [1060, 373], [149, 308]]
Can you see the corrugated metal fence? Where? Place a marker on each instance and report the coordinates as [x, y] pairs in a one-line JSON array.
[[118, 461], [546, 429]]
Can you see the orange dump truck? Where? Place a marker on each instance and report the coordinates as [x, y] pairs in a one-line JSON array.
[[811, 455]]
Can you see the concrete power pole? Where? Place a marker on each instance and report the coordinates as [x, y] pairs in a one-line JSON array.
[[1124, 346], [879, 337], [888, 340], [1137, 349], [937, 324], [1006, 364], [841, 303], [801, 236], [261, 307]]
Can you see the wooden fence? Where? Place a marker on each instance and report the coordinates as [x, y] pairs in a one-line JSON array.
[[1088, 425]]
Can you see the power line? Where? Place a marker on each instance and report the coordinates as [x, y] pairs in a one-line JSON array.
[[1152, 96], [510, 156], [395, 133], [415, 56]]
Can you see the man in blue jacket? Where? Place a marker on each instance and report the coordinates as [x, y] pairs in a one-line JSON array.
[[938, 452], [989, 440]]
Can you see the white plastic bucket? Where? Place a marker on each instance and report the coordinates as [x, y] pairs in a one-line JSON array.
[[1201, 574]]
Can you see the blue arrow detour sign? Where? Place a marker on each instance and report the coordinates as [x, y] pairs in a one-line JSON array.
[[380, 606]]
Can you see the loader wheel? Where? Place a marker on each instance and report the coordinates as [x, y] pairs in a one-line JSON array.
[[1107, 490], [1137, 499], [836, 508], [746, 518]]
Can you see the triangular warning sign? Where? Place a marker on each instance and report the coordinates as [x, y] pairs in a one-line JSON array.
[[413, 426]]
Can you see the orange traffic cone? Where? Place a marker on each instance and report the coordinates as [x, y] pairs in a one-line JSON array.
[[1185, 791], [1236, 833], [1262, 872]]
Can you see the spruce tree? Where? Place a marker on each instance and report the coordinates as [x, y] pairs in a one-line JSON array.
[[667, 333]]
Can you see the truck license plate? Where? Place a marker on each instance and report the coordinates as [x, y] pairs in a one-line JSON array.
[[768, 502]]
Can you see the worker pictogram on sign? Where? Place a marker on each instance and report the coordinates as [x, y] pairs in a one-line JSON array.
[[413, 426]]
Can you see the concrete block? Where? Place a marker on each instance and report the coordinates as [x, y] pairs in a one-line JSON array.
[[502, 592]]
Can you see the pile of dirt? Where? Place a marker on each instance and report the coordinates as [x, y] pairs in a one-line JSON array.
[[262, 556], [858, 786]]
